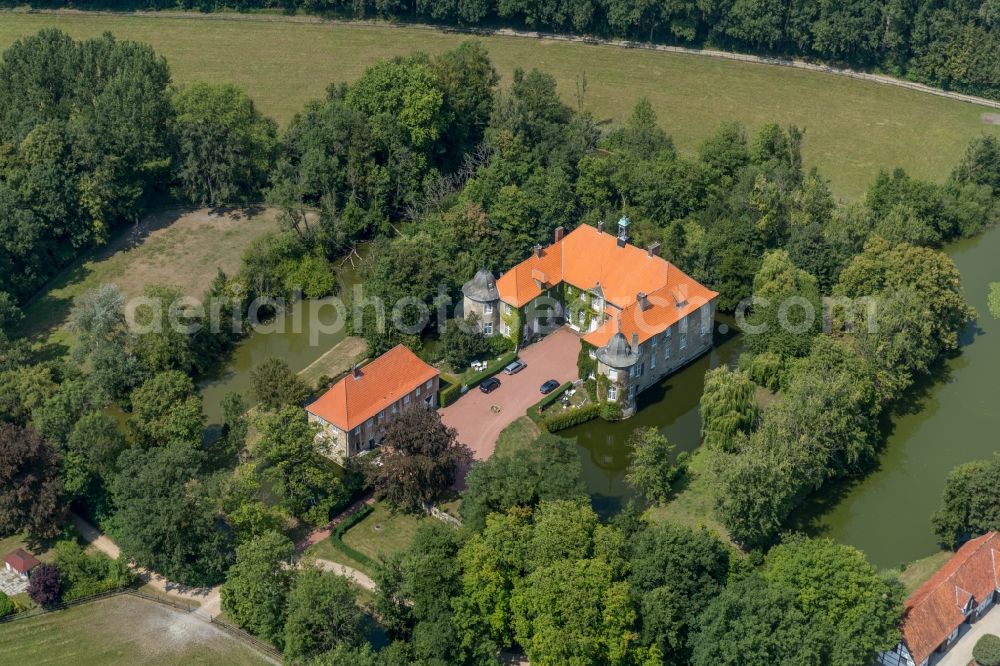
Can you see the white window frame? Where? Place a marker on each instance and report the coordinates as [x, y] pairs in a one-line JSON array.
[[488, 328], [506, 308], [430, 384], [683, 341], [406, 399], [420, 390], [506, 328], [613, 375], [652, 361], [487, 308], [612, 393]]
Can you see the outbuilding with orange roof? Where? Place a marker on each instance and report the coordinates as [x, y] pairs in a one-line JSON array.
[[354, 412]]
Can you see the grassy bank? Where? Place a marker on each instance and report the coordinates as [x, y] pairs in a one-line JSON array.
[[181, 248], [852, 127]]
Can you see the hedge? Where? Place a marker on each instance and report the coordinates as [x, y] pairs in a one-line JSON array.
[[338, 535], [452, 392], [986, 652], [571, 418], [535, 411]]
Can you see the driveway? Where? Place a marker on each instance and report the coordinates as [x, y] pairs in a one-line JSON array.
[[960, 653], [554, 357]]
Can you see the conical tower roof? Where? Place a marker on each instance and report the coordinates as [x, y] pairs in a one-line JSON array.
[[482, 288], [617, 353]]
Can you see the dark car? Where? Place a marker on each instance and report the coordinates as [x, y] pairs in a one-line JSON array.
[[549, 386], [489, 385]]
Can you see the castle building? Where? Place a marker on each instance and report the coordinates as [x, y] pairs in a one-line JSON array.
[[641, 316]]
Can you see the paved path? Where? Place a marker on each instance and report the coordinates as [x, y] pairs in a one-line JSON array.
[[961, 653], [350, 573], [554, 357], [208, 598]]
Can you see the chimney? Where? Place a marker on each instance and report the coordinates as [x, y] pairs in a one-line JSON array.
[[560, 232], [635, 343], [538, 250], [621, 242], [654, 250], [642, 300], [600, 226], [356, 371]]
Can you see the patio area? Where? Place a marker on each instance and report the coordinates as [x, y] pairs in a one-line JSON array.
[[479, 417], [11, 583]]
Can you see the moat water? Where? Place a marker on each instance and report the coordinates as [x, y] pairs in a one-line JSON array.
[[954, 419]]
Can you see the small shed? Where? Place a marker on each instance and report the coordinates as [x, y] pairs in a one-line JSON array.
[[20, 562]]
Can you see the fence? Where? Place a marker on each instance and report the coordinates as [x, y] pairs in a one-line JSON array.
[[247, 637]]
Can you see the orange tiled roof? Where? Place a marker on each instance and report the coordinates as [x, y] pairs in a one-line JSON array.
[[587, 258], [937, 606], [352, 401]]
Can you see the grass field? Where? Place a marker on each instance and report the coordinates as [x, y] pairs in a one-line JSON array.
[[853, 128], [184, 249], [124, 631], [380, 533], [516, 437]]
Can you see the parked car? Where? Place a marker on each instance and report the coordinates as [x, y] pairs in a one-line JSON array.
[[549, 387], [489, 385], [515, 367]]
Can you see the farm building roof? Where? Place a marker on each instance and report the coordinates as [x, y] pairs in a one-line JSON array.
[[940, 605]]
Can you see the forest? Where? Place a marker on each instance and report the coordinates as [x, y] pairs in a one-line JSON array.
[[442, 170], [954, 45]]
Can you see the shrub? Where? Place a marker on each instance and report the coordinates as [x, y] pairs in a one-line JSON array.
[[452, 392], [571, 418], [611, 411], [987, 650], [338, 535], [45, 586], [7, 606], [535, 411]]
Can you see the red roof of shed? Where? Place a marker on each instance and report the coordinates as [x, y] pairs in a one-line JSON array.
[[21, 561]]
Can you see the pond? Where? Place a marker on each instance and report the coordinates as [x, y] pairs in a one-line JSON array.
[[887, 513], [287, 336]]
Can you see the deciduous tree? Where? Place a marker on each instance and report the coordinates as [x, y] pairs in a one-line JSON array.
[[421, 459]]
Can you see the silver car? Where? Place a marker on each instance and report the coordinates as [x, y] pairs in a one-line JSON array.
[[515, 367]]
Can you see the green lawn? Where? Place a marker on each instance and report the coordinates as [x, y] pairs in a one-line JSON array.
[[517, 436], [694, 503], [180, 248], [121, 630], [382, 532], [853, 127], [920, 570]]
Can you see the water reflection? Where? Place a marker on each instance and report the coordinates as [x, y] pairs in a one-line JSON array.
[[670, 406]]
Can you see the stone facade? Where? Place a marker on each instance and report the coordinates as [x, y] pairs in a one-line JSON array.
[[339, 445], [480, 298], [648, 363]]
